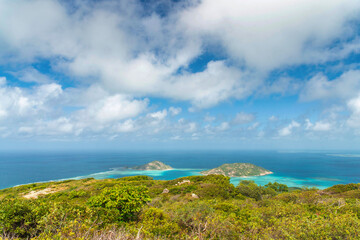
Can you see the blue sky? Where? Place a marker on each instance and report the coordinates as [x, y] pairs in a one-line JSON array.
[[161, 74]]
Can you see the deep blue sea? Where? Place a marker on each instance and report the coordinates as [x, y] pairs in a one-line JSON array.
[[298, 169]]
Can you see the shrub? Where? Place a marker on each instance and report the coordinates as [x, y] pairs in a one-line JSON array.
[[128, 200], [19, 217], [278, 187], [340, 188], [250, 189], [216, 186], [156, 223], [136, 178]]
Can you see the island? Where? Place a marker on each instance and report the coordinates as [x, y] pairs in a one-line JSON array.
[[154, 165], [238, 170]]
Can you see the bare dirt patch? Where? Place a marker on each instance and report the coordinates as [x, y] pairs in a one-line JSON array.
[[36, 194]]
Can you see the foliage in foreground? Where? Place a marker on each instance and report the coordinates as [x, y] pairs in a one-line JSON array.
[[207, 207]]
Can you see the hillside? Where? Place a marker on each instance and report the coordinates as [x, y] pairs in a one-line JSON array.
[[154, 165], [238, 170], [203, 207]]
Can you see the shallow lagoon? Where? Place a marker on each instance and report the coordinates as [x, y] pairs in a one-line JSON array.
[[296, 169], [320, 183]]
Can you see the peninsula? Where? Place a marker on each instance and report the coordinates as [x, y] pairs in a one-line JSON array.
[[238, 170], [154, 165]]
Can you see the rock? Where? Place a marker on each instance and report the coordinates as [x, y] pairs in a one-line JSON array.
[[193, 195], [184, 181], [165, 190]]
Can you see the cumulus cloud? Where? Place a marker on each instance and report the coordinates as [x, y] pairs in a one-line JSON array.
[[271, 34], [139, 54], [38, 111], [18, 102], [286, 131], [114, 108], [321, 88], [119, 54], [317, 126], [215, 84], [158, 116], [127, 126]]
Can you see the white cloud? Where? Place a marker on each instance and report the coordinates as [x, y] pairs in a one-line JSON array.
[[58, 126], [243, 118], [322, 126], [318, 126], [191, 127], [354, 107], [31, 75], [127, 126], [139, 55], [209, 118], [282, 86], [271, 34], [26, 130], [223, 126], [18, 102], [114, 108], [253, 126], [175, 111], [159, 115], [118, 56], [176, 138], [2, 81], [308, 124], [321, 88], [215, 84], [286, 131]]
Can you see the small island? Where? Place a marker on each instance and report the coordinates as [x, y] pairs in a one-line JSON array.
[[154, 165], [238, 170]]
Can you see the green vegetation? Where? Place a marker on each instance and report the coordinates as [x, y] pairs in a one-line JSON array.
[[238, 170], [205, 207], [154, 165]]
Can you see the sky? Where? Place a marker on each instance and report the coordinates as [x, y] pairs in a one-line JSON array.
[[184, 74]]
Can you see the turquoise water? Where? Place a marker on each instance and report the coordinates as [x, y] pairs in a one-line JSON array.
[[176, 173], [296, 169]]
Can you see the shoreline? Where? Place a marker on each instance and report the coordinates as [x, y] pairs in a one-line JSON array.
[[260, 180]]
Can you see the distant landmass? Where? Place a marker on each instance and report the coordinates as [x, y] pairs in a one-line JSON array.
[[238, 170], [154, 165]]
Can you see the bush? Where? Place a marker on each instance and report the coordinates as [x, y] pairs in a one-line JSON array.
[[19, 217], [278, 187], [216, 186], [156, 223], [127, 200], [251, 189], [340, 188], [136, 178]]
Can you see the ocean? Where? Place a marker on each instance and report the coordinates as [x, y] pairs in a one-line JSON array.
[[296, 169]]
